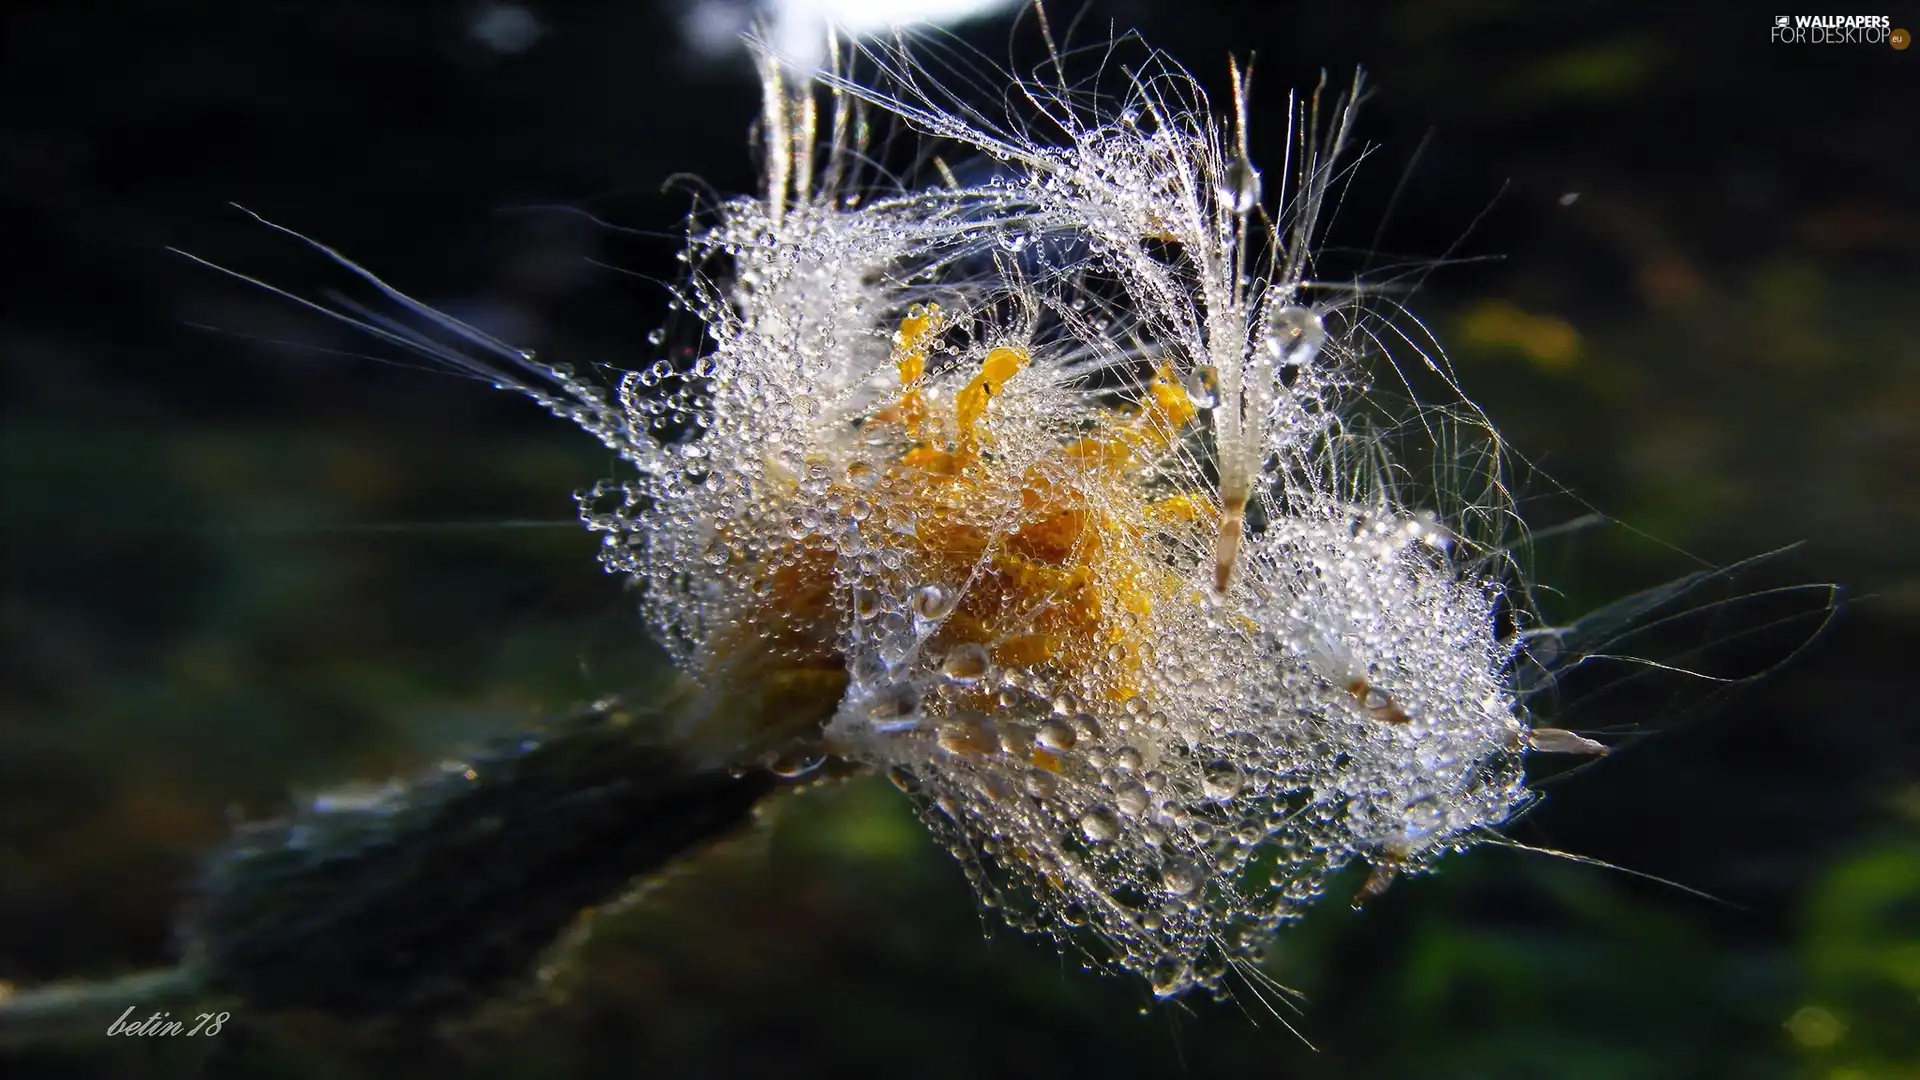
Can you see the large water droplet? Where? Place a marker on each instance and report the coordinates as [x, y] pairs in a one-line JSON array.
[[1056, 735], [1169, 977], [1203, 386], [1222, 780], [966, 663], [969, 733], [1294, 334], [1240, 186], [796, 762], [1181, 875], [933, 602], [1099, 825]]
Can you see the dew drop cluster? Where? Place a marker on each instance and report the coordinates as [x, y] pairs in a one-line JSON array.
[[1034, 493]]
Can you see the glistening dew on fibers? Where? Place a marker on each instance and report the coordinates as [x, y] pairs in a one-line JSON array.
[[1039, 488], [1044, 494]]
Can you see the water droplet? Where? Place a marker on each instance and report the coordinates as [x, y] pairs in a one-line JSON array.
[[969, 733], [1131, 797], [1223, 780], [1056, 735], [1294, 334], [966, 663], [1099, 825], [933, 602], [1203, 386], [866, 603], [796, 762], [1169, 976], [1240, 186], [1181, 875]]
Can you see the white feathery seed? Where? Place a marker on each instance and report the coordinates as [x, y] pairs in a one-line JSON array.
[[1039, 488], [1047, 493]]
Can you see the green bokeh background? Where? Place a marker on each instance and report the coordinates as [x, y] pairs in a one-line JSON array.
[[236, 570]]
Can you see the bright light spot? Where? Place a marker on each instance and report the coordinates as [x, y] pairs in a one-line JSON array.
[[877, 16], [798, 28], [506, 28]]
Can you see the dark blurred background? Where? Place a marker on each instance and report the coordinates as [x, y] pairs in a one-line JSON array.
[[249, 553]]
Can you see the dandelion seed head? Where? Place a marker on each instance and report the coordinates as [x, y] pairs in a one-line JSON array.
[[1035, 493]]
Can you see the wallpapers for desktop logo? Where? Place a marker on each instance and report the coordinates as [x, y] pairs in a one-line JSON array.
[[1838, 30]]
